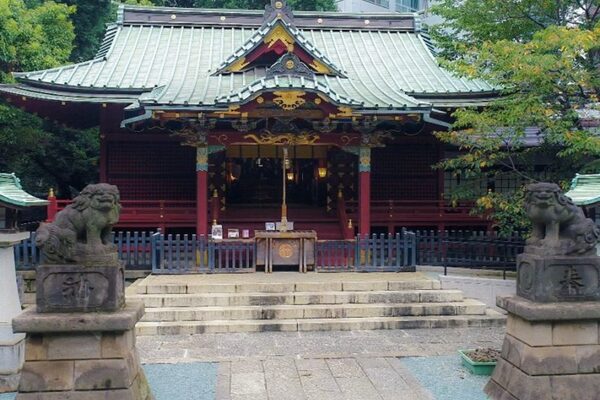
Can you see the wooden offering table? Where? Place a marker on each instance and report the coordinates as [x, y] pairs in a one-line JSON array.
[[285, 248]]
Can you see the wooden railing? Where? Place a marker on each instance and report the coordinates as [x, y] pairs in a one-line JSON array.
[[468, 249], [145, 213], [415, 211]]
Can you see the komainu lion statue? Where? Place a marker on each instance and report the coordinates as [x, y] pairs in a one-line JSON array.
[[559, 226], [81, 233]]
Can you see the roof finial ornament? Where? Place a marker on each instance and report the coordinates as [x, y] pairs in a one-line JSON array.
[[278, 9], [290, 64]]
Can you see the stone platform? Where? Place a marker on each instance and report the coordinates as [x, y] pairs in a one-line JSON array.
[[85, 356], [290, 301], [551, 351]]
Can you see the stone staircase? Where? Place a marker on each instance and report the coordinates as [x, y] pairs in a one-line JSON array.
[[302, 302]]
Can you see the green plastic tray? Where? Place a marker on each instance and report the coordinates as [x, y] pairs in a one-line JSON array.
[[477, 368]]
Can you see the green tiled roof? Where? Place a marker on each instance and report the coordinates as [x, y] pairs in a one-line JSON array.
[[169, 57], [12, 194], [585, 189], [322, 84]]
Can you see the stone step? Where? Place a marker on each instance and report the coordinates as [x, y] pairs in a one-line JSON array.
[[286, 287], [491, 318], [466, 307], [264, 299]]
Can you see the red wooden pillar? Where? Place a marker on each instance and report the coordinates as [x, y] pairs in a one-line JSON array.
[[364, 195], [52, 207], [202, 190]]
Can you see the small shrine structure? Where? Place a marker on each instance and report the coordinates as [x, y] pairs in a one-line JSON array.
[[13, 199]]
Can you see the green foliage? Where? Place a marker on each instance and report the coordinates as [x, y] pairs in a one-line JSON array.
[[90, 21], [38, 35], [543, 58], [45, 155], [506, 210], [468, 23], [33, 38]]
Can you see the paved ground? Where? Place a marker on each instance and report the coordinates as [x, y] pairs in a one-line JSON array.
[[414, 364], [418, 364]]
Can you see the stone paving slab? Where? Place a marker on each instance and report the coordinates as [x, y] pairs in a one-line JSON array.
[[314, 345], [418, 364]]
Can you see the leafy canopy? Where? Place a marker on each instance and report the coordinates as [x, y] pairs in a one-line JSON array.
[[33, 38], [38, 35], [543, 56]]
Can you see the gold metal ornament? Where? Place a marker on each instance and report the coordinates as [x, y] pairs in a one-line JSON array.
[[283, 139], [289, 100]]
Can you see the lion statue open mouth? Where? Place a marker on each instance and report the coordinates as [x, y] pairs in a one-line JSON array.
[[559, 226], [81, 233]]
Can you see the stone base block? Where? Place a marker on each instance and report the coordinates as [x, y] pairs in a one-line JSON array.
[[558, 278], [9, 383], [77, 288], [11, 360], [545, 357], [83, 363]]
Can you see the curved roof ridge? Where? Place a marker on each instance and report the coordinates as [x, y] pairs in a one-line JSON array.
[[285, 82], [122, 18]]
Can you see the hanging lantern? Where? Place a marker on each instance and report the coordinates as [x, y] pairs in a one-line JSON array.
[[322, 169], [290, 176]]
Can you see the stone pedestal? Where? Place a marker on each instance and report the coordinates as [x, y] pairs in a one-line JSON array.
[[546, 279], [85, 356], [11, 344], [78, 288], [551, 351]]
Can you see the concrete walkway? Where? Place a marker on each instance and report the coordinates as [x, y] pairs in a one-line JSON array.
[[355, 365]]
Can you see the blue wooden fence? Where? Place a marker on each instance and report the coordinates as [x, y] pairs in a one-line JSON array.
[[135, 248], [183, 254], [376, 253], [176, 254], [189, 254]]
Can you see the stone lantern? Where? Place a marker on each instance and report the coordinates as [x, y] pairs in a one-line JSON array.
[[12, 200]]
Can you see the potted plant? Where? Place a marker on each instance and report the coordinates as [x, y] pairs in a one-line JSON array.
[[480, 361]]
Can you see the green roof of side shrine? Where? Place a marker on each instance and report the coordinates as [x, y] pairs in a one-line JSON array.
[[12, 194], [585, 189], [203, 59]]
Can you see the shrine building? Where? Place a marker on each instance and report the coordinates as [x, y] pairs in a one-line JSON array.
[[196, 108]]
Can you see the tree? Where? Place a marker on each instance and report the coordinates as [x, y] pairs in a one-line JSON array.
[[543, 58], [33, 38], [39, 35]]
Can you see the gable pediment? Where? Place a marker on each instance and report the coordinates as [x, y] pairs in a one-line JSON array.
[[277, 36]]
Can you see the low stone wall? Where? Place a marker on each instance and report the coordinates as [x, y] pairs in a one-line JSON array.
[[483, 289]]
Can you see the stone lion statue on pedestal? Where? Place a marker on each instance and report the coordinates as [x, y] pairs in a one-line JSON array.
[[81, 233], [559, 226]]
